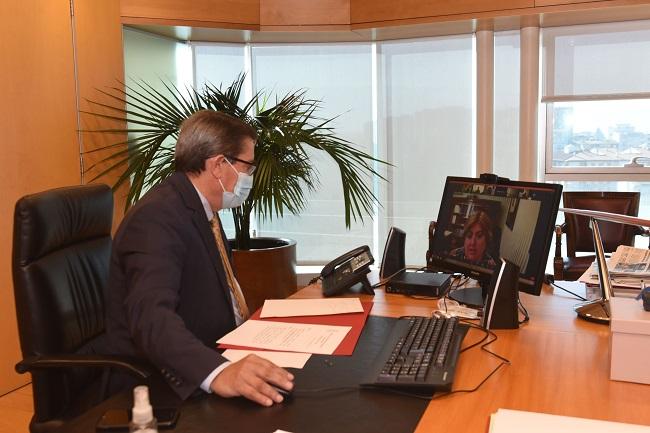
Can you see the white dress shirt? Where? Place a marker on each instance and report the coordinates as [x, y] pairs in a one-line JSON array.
[[205, 385]]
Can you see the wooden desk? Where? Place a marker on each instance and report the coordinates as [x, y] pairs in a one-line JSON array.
[[559, 365]]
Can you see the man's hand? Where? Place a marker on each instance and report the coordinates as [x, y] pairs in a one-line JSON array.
[[253, 377]]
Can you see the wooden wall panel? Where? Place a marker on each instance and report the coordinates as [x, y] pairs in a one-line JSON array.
[[539, 3], [39, 143], [39, 116], [218, 11], [304, 13], [365, 11], [100, 66]]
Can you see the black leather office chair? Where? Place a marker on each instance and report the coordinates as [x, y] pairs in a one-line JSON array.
[[61, 250], [579, 237]]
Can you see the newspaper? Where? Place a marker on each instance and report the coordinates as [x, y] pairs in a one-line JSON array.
[[628, 267], [630, 262]]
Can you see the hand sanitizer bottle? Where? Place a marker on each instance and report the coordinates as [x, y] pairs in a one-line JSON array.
[[142, 420]]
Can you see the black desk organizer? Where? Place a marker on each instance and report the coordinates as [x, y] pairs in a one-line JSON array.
[[341, 411]]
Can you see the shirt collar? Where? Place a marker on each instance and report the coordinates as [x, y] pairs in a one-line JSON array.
[[209, 213]]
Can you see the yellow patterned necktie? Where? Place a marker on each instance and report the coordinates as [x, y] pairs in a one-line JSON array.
[[235, 290]]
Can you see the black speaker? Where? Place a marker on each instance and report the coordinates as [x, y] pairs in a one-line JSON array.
[[500, 310], [393, 259]]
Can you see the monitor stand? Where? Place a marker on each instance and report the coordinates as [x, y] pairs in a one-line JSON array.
[[470, 296]]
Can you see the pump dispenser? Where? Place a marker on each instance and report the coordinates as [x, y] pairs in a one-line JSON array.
[[142, 420]]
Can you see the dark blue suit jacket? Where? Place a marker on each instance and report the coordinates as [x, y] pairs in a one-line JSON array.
[[168, 300]]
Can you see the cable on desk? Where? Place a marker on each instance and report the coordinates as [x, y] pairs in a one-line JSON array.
[[307, 392], [523, 310], [390, 277], [461, 281], [504, 360], [569, 291], [487, 334], [387, 279], [313, 280], [444, 303]]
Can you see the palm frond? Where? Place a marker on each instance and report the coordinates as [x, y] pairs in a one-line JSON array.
[[288, 132]]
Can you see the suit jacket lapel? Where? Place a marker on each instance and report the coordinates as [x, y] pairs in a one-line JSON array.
[[200, 222]]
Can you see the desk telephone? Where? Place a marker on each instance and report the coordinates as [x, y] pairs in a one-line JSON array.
[[347, 270]]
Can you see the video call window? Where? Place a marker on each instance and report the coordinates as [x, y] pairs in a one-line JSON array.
[[480, 222]]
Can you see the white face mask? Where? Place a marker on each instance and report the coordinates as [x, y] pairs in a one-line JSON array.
[[240, 192]]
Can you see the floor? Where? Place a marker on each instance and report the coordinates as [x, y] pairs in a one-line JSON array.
[[16, 410]]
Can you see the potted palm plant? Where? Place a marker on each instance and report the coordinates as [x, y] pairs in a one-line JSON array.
[[282, 182]]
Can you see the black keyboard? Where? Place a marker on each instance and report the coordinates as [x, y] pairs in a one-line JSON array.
[[420, 354]]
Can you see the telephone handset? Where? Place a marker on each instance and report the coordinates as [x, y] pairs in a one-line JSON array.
[[347, 270]]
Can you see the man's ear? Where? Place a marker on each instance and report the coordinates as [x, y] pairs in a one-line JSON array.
[[215, 165]]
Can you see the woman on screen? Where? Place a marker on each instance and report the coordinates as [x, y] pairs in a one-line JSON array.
[[477, 236]]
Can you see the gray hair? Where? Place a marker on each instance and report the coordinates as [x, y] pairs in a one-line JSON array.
[[208, 133]]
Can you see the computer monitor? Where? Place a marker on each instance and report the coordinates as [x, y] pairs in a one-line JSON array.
[[483, 219]]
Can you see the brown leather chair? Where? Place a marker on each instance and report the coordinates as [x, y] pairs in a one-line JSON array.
[[579, 237], [61, 251]]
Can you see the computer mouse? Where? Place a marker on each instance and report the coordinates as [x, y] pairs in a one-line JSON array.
[[286, 394]]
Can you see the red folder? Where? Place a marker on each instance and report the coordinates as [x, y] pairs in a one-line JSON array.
[[355, 320]]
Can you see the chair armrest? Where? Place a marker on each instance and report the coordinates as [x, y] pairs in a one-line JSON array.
[[130, 365], [642, 231]]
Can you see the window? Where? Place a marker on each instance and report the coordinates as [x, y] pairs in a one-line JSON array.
[[425, 129], [506, 104], [339, 75], [218, 64], [597, 92], [407, 102], [596, 88]]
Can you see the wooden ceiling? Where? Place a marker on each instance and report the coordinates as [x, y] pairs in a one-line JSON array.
[[210, 31]]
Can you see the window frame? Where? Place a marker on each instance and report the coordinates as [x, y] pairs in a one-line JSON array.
[[549, 97]]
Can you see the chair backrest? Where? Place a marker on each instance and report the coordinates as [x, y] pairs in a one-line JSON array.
[[61, 253], [579, 235]]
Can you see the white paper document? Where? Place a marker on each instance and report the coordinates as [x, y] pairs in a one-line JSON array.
[[310, 307], [290, 337], [281, 359], [516, 421]]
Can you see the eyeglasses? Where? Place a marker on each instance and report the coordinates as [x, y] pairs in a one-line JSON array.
[[251, 165]]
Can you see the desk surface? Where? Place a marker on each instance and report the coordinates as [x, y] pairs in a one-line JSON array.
[[559, 365]]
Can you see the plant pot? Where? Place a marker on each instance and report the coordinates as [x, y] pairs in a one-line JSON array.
[[266, 271]]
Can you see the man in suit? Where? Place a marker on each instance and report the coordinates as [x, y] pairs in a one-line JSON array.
[[171, 291]]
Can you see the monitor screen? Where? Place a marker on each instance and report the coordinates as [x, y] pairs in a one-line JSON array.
[[481, 220]]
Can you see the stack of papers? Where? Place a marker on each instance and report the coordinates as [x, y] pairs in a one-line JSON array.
[[629, 268], [298, 328], [515, 421]]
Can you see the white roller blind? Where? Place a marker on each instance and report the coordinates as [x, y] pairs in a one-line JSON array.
[[425, 124], [506, 104], [598, 61], [218, 64], [340, 76]]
